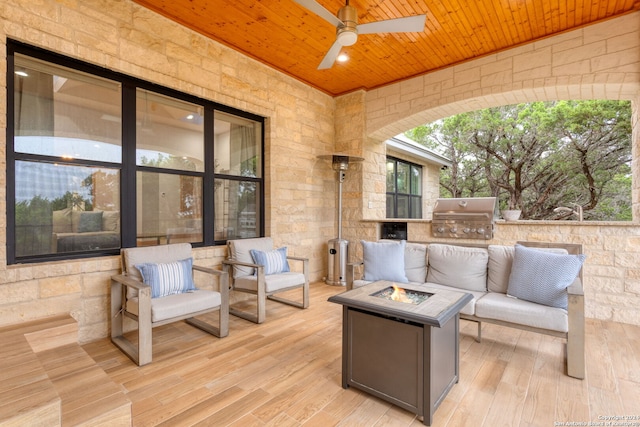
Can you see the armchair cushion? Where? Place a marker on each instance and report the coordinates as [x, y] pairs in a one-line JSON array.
[[543, 277], [178, 305], [272, 283], [274, 261], [240, 251], [384, 261], [168, 278]]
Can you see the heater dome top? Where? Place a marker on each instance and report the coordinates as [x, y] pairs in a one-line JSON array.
[[341, 161]]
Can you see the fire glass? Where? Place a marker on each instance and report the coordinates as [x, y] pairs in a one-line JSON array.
[[409, 296]]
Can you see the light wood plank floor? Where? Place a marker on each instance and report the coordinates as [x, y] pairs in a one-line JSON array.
[[287, 372]]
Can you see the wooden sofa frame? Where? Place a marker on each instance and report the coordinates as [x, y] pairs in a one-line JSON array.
[[575, 337]]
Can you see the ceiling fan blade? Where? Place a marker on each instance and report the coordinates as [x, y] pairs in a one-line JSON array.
[[319, 10], [410, 24], [330, 57]]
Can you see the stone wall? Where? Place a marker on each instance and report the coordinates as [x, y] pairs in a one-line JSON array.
[[122, 36]]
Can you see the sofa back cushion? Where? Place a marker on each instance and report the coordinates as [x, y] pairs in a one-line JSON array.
[[500, 262], [62, 221], [458, 266], [415, 262], [111, 221]]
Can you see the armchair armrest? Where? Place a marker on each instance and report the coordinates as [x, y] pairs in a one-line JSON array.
[[351, 269], [242, 263], [305, 264], [223, 277], [576, 288], [129, 281]]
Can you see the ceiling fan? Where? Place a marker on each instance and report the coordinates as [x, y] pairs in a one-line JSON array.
[[347, 28]]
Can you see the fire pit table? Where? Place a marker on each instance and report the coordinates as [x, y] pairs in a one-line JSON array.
[[402, 351]]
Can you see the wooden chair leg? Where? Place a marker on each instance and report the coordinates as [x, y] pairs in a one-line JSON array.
[[145, 338], [576, 338]]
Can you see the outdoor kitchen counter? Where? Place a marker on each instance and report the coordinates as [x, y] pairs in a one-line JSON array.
[[418, 340]]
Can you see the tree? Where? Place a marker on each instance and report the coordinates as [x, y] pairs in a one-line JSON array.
[[538, 156]]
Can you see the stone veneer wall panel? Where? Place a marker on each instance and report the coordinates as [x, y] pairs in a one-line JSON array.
[[601, 61], [130, 39]]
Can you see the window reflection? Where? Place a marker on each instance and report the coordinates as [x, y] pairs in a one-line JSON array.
[[66, 113], [62, 208], [169, 132], [169, 208], [237, 209], [237, 146]]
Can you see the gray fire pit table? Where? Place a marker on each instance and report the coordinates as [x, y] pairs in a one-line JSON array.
[[406, 353]]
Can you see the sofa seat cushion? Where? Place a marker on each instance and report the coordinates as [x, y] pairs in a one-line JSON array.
[[470, 308], [273, 282], [501, 307], [177, 305], [458, 266]]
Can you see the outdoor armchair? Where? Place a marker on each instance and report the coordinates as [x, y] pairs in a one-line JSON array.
[[155, 288], [259, 269]]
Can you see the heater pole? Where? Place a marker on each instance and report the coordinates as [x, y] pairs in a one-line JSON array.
[[341, 176]]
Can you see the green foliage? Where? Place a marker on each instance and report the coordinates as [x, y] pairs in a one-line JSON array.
[[538, 156]]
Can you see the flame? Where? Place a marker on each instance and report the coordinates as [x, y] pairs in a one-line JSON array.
[[399, 294]]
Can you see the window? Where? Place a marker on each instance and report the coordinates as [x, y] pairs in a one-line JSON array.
[[170, 169], [97, 161], [67, 160], [238, 168], [404, 189]]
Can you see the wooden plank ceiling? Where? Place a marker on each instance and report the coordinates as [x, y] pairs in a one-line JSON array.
[[288, 37]]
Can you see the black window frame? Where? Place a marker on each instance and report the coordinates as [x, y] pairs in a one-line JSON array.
[[128, 167], [413, 198]]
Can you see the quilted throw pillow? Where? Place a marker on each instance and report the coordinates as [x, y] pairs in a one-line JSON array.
[[384, 261], [169, 278], [90, 222], [274, 261], [543, 277]]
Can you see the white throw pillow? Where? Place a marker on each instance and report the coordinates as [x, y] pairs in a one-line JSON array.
[[168, 278], [384, 261], [274, 261], [543, 277]]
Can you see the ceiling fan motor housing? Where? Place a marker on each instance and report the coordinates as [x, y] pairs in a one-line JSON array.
[[347, 34]]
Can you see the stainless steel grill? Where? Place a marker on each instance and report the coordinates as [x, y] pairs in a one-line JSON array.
[[464, 218]]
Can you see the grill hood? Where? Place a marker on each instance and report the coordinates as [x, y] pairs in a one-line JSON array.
[[464, 218]]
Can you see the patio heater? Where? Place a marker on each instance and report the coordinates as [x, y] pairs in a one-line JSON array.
[[339, 248]]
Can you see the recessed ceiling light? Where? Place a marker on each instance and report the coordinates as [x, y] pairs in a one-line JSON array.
[[22, 73], [190, 117], [343, 57]]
